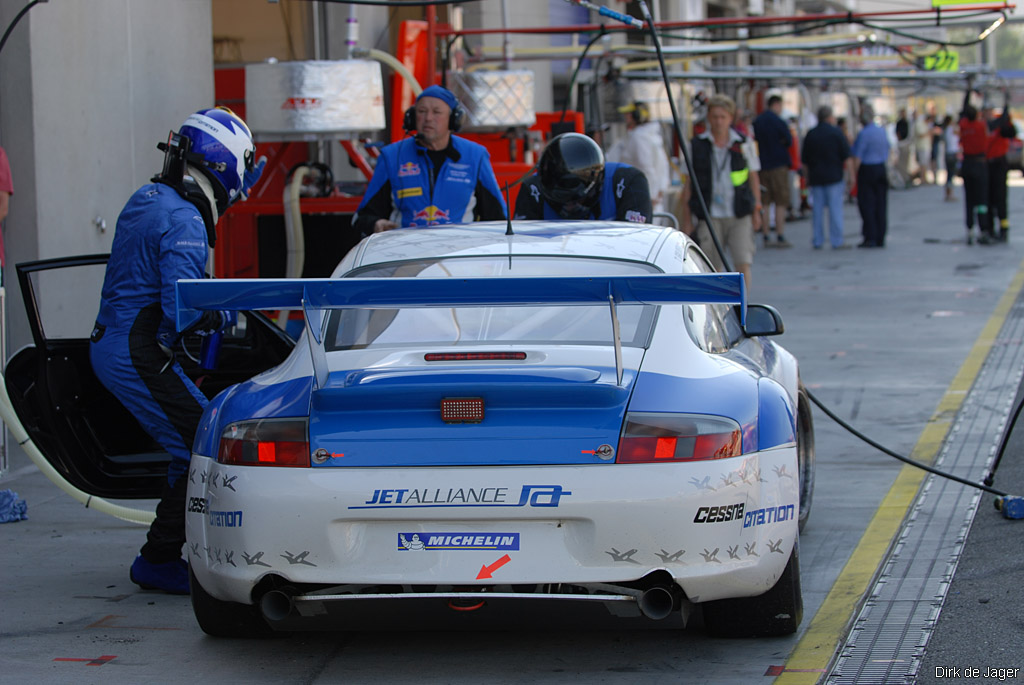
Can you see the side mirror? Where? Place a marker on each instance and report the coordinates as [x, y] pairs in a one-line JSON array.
[[763, 319]]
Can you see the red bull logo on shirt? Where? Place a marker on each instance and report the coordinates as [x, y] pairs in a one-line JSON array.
[[431, 216], [409, 169]]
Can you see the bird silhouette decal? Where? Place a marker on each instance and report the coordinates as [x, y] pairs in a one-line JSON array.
[[669, 558], [297, 558], [255, 559], [711, 556], [616, 555], [702, 484]]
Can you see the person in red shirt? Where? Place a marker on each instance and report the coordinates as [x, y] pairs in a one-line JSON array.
[[6, 190], [1001, 130], [973, 168]]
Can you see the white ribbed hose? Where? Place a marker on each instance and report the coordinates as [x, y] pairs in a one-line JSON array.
[[10, 417]]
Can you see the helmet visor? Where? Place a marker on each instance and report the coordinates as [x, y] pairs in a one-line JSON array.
[[569, 188]]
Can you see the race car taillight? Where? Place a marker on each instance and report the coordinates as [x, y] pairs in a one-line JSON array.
[[265, 442], [654, 438], [474, 356]]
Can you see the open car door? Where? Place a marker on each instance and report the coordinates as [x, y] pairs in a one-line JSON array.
[[79, 426]]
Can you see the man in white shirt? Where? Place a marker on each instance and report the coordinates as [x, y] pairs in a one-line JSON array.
[[644, 148]]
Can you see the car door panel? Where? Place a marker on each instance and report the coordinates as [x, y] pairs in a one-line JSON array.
[[79, 426]]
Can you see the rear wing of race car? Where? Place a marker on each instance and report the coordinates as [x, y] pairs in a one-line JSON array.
[[314, 295]]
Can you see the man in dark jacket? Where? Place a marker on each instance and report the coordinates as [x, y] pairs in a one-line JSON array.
[[824, 157], [773, 143]]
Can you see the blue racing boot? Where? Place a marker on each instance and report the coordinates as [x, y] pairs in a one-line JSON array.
[[171, 577]]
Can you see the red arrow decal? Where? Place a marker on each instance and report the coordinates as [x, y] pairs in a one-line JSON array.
[[486, 571]]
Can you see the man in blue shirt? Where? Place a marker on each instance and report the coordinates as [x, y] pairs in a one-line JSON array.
[[870, 153], [432, 178], [773, 142]]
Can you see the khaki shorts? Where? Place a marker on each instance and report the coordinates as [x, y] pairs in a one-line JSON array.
[[776, 187], [736, 237]]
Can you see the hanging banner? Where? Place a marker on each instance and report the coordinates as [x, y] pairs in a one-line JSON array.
[[943, 60]]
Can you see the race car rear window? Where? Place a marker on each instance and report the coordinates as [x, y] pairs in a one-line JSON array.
[[349, 329]]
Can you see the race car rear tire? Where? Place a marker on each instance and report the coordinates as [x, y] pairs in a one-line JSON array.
[[225, 619], [804, 455], [776, 612]]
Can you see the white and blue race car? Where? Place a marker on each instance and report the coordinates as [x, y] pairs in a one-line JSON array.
[[575, 412]]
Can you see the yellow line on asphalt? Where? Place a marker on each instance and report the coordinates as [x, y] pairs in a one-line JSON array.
[[814, 651]]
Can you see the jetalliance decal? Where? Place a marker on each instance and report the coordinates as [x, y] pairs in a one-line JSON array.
[[417, 498]]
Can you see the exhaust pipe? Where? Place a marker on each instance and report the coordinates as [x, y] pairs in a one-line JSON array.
[[276, 605], [656, 603]]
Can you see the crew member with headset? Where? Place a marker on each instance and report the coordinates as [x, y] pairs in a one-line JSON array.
[[432, 178], [574, 182], [164, 234]]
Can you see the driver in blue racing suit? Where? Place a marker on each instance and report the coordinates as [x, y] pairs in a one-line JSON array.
[[164, 234], [432, 178], [574, 182]]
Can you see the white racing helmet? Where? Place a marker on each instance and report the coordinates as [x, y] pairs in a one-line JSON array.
[[227, 149]]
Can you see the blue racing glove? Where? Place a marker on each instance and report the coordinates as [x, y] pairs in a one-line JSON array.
[[213, 322], [252, 177]]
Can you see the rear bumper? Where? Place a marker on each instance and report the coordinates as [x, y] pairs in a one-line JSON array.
[[720, 528]]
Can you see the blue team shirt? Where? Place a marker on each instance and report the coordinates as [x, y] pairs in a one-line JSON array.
[[408, 169], [872, 145]]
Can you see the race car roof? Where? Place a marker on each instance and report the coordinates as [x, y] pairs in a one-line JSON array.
[[606, 239]]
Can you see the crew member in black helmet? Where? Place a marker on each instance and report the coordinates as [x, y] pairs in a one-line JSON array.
[[574, 182]]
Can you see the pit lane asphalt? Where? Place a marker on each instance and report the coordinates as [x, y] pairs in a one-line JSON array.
[[880, 335]]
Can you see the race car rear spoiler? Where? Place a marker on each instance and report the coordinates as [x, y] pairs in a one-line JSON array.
[[314, 295]]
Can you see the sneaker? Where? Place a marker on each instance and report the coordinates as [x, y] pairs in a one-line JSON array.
[[171, 577], [782, 242]]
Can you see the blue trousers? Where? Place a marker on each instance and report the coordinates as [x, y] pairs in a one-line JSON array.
[[827, 197], [131, 365]]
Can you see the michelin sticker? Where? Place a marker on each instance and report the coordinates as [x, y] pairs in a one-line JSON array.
[[416, 542]]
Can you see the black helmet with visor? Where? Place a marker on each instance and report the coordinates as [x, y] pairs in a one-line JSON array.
[[572, 175]]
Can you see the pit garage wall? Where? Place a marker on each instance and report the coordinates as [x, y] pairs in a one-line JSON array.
[[87, 89]]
